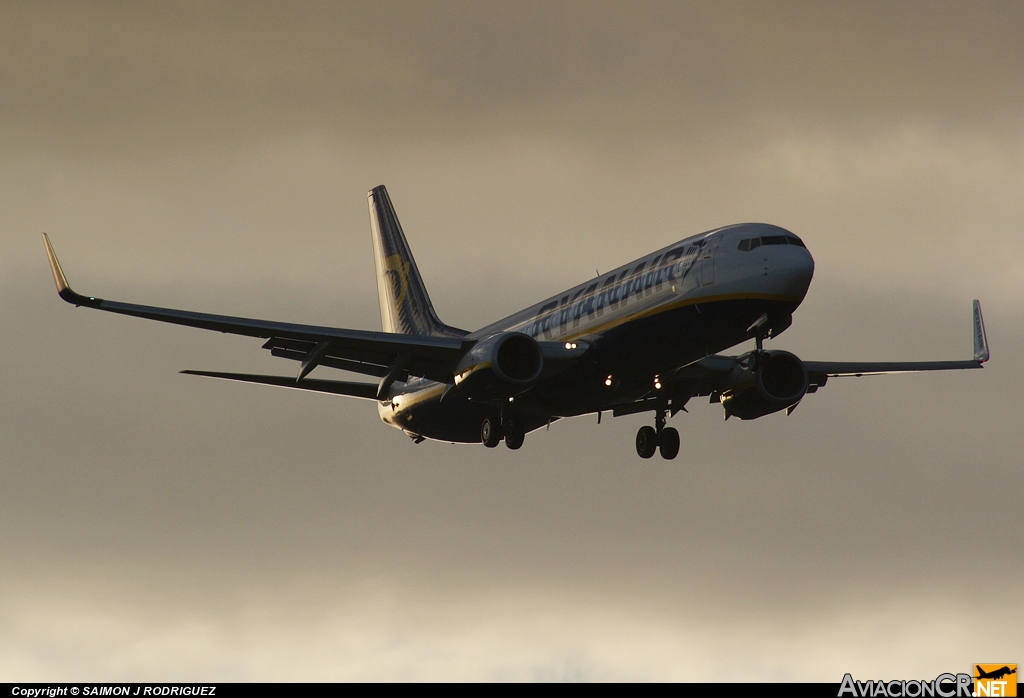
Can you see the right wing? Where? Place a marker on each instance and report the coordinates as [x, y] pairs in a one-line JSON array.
[[389, 356]]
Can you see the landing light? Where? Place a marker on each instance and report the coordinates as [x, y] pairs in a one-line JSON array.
[[608, 380], [570, 345], [657, 383]]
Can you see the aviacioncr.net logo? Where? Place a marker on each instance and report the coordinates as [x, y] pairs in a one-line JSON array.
[[995, 680], [942, 686]]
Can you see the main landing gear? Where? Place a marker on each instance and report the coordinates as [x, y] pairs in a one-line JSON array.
[[492, 430], [657, 438]]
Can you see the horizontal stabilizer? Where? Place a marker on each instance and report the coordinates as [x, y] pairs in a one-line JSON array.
[[365, 391]]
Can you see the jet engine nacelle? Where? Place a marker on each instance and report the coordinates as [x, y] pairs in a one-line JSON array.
[[500, 366], [778, 382]]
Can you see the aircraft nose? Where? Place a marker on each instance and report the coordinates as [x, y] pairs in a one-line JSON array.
[[792, 275]]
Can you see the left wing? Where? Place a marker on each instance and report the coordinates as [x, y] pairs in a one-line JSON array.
[[715, 374], [389, 356], [818, 372]]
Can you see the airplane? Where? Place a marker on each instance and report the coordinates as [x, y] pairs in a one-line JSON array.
[[995, 674], [645, 337]]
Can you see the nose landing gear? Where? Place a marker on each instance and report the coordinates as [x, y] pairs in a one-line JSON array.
[[657, 438], [646, 442], [668, 443]]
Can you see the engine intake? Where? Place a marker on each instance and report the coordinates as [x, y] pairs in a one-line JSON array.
[[517, 358], [500, 366], [779, 381]]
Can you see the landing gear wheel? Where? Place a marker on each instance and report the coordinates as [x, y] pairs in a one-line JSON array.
[[646, 442], [668, 443], [490, 434], [514, 434]]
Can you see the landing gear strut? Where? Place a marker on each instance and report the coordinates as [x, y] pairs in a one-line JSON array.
[[657, 438], [759, 330]]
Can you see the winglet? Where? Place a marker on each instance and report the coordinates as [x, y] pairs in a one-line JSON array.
[[63, 289], [980, 340]]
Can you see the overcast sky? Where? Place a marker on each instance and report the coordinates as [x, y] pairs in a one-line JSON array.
[[216, 157]]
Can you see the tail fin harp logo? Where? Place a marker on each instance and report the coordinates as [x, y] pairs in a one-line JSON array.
[[398, 265], [995, 680]]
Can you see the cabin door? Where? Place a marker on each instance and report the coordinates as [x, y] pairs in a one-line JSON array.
[[707, 261]]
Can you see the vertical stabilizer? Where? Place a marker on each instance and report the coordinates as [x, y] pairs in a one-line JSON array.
[[405, 307]]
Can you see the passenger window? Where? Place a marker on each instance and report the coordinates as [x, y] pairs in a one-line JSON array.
[[773, 240], [754, 243], [744, 245], [796, 241]]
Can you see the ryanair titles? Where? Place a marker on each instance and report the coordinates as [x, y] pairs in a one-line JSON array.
[[614, 293]]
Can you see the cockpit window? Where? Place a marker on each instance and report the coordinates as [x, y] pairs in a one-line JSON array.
[[751, 244]]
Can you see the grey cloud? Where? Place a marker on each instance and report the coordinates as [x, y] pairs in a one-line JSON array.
[[146, 76], [216, 157]]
